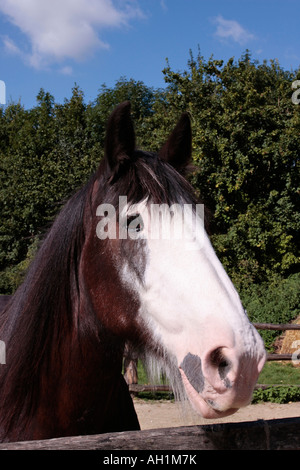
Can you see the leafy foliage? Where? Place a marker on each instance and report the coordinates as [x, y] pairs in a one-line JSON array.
[[246, 143], [282, 394], [246, 148], [273, 302], [43, 159]]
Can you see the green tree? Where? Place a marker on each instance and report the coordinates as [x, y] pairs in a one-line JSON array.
[[45, 159], [46, 154], [246, 151], [142, 100]]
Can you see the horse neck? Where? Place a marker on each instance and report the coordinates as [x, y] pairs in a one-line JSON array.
[[56, 366], [79, 395], [63, 372], [74, 387]]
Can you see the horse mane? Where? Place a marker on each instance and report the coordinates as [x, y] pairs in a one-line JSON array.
[[148, 177], [41, 310]]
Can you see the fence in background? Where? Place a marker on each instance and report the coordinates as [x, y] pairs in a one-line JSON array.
[[130, 366]]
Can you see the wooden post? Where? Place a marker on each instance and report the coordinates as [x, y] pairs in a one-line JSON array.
[[130, 366]]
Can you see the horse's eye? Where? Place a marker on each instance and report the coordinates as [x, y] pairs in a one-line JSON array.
[[135, 223]]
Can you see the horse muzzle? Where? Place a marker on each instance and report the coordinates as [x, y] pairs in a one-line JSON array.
[[221, 382]]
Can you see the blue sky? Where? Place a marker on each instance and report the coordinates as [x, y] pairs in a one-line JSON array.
[[54, 44]]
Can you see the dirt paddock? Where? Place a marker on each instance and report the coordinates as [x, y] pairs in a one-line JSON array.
[[162, 414]]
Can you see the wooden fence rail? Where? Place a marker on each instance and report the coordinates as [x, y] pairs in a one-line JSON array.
[[277, 434], [271, 326], [279, 357], [282, 327]]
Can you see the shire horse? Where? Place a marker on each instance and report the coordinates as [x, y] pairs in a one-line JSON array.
[[87, 294]]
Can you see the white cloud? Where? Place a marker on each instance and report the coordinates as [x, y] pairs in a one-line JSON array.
[[231, 29], [163, 5], [10, 46], [66, 70], [65, 29]]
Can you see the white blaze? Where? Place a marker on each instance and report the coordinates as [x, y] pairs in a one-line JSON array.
[[189, 303]]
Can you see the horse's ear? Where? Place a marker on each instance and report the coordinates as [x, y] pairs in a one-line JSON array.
[[178, 149], [120, 137]]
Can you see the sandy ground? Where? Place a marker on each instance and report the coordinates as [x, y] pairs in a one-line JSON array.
[[164, 414]]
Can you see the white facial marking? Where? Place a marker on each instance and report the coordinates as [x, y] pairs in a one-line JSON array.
[[191, 306]]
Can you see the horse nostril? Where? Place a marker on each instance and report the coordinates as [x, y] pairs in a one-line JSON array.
[[191, 366], [219, 361]]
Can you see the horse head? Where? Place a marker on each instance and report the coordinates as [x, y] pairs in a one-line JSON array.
[[162, 287]]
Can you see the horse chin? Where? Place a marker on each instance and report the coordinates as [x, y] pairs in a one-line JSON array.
[[200, 405]]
